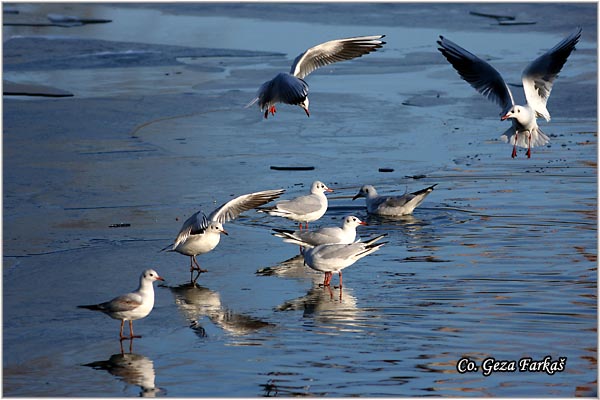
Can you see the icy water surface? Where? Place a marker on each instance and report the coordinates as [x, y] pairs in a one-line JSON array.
[[499, 263]]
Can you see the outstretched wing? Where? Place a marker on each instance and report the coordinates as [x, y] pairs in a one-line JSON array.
[[478, 73], [539, 76], [334, 51], [233, 208]]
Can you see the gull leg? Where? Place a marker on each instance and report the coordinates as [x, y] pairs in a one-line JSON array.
[[121, 331], [340, 273], [327, 279], [197, 268], [529, 145], [272, 109], [131, 335], [514, 152]]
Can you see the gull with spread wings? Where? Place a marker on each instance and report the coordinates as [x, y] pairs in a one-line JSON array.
[[538, 78], [291, 88], [200, 234]]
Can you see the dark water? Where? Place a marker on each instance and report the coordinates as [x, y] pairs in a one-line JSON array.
[[499, 262]]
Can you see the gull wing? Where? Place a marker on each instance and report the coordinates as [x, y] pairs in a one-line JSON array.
[[300, 205], [539, 76], [126, 302], [334, 51], [194, 225], [478, 73], [233, 208]]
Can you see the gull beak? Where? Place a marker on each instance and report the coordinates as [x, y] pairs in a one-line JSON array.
[[225, 232], [306, 111], [158, 278], [356, 196], [504, 117], [329, 190], [362, 222]]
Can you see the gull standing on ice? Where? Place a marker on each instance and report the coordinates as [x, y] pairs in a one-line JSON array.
[[290, 88], [392, 205], [330, 258], [131, 306], [305, 209], [328, 235], [537, 78], [200, 234]]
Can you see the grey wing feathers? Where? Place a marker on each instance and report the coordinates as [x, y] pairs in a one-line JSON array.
[[127, 302], [300, 205], [284, 88], [427, 189], [334, 51], [478, 73], [539, 76], [195, 224], [233, 208]]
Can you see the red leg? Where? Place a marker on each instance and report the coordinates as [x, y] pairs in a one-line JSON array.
[[327, 280], [529, 146], [131, 335], [272, 110], [514, 152], [340, 273], [300, 225], [121, 332]]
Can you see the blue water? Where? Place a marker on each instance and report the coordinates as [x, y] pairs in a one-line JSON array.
[[499, 262]]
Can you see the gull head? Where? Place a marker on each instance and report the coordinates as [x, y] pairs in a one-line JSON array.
[[216, 227]]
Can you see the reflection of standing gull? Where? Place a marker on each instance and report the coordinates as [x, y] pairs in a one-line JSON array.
[[290, 88], [537, 79], [291, 268], [131, 306], [200, 234], [133, 369], [196, 302], [320, 303]]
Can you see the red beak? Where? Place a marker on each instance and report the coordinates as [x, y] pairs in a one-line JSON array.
[[504, 117], [362, 223], [307, 112]]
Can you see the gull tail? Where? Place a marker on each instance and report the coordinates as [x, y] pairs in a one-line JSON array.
[[538, 138], [167, 248], [253, 102], [95, 307]]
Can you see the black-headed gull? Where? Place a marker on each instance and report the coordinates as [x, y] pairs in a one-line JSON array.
[[307, 208], [327, 235], [392, 205], [330, 258], [537, 78], [200, 234], [131, 306], [290, 88]]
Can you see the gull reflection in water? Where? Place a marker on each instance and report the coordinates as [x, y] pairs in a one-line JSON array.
[[293, 268], [196, 302], [327, 306], [131, 368]]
